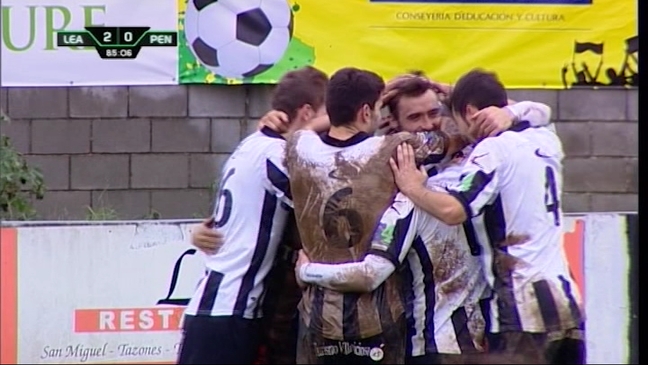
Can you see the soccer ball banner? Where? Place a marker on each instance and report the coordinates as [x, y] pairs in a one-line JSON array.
[[530, 44]]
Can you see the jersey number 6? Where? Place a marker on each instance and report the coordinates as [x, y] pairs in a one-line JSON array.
[[224, 201]]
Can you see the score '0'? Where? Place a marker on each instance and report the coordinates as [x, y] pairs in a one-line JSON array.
[[107, 37]]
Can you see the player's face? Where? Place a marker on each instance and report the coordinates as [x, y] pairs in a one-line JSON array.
[[464, 122], [420, 113]]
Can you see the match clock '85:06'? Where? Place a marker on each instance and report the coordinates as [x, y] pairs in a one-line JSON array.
[[112, 52], [238, 38]]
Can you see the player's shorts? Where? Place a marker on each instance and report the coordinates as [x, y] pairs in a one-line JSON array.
[[568, 348], [565, 347], [518, 347], [262, 356], [219, 340], [387, 348], [280, 315]]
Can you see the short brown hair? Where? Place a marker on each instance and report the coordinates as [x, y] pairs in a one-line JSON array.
[[297, 88], [410, 87], [349, 90], [479, 88]]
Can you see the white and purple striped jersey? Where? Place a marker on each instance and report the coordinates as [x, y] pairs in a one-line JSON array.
[[446, 294], [511, 189], [251, 209], [443, 282]]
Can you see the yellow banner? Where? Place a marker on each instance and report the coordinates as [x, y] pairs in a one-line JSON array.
[[530, 44]]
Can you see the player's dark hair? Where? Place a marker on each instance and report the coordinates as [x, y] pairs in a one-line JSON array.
[[478, 88], [417, 73], [297, 88], [348, 91], [411, 87]]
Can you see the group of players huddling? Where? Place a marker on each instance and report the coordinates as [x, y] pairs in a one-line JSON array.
[[402, 223]]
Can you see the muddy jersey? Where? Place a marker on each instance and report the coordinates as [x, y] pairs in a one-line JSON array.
[[513, 202], [340, 189], [442, 275]]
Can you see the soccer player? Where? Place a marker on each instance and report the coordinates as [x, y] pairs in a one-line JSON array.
[[414, 104], [417, 105], [442, 280], [443, 277], [341, 185], [510, 195], [338, 192], [222, 323]]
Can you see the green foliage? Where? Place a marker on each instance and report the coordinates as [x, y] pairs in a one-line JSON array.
[[20, 183], [101, 214]]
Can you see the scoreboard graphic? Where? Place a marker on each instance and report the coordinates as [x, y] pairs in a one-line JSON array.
[[118, 43]]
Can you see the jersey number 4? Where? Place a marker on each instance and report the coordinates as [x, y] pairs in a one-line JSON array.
[[551, 195], [224, 202]]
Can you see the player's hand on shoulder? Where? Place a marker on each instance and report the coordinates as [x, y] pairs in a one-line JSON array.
[[406, 175], [207, 239], [492, 120], [276, 120]]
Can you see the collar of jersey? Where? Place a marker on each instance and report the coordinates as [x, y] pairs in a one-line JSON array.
[[270, 133], [518, 127], [357, 138]]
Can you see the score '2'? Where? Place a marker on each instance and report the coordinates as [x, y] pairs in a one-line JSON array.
[[126, 38]]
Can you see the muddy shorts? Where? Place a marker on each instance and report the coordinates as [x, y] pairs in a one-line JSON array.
[[386, 348]]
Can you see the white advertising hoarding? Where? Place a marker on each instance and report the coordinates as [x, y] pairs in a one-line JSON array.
[[102, 293], [115, 293]]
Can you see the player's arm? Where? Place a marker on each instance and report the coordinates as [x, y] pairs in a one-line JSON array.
[[492, 121], [276, 175], [389, 246], [478, 185], [537, 114], [446, 89]]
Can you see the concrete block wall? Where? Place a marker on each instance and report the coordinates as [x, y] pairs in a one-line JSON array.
[[156, 151]]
